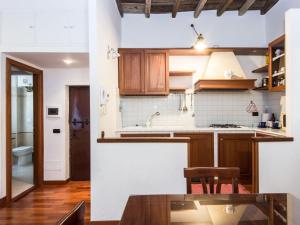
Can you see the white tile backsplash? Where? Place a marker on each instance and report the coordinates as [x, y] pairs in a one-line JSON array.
[[207, 108]]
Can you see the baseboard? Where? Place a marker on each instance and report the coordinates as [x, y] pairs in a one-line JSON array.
[[56, 182], [104, 222], [2, 202]]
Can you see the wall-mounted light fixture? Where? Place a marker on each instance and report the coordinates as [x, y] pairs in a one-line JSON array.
[[112, 53], [200, 43]]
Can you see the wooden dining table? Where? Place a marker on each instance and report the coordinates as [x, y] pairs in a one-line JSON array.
[[242, 209]]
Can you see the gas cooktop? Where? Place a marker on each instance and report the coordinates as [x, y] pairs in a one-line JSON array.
[[225, 126]]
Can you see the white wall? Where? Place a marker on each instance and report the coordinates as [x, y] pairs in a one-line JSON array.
[[56, 146], [125, 169], [104, 30], [163, 31], [280, 161], [2, 128], [275, 18]]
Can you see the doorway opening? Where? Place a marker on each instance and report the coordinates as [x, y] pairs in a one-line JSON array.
[[24, 129], [79, 125]]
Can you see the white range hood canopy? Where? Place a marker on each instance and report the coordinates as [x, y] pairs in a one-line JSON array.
[[222, 65]]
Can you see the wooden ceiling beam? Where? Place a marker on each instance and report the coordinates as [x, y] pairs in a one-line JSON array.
[[120, 7], [269, 4], [223, 7], [148, 8], [245, 7], [199, 8], [175, 8]]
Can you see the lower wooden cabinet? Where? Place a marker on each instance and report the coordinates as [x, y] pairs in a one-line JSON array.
[[201, 152], [234, 150]]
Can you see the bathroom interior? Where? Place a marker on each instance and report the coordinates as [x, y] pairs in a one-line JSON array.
[[22, 115]]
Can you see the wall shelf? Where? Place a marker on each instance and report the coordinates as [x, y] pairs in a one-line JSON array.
[[261, 89], [278, 88], [278, 57], [276, 73], [263, 69], [177, 90], [181, 73]]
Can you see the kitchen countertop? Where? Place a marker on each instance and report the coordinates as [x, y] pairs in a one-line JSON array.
[[173, 129]]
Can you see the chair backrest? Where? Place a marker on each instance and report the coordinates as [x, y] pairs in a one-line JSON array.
[[207, 177], [75, 216]]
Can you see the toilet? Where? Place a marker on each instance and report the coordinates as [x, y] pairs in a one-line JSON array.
[[23, 155]]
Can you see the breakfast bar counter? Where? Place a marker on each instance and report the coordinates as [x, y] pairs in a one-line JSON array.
[[135, 166]]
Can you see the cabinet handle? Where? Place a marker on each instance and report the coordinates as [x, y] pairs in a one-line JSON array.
[[31, 27], [221, 139]]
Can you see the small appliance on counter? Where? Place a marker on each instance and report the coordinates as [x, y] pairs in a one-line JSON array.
[[264, 119]]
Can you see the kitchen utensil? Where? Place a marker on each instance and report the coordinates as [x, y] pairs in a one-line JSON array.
[[251, 107], [184, 109], [180, 103]]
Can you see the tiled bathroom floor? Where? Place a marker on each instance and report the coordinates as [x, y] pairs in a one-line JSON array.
[[22, 179]]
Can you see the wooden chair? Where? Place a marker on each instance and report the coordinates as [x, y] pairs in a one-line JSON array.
[[207, 177], [75, 216]]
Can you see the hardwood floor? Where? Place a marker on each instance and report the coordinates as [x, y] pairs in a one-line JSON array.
[[47, 205]]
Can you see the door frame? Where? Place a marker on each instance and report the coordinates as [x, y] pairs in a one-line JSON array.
[[38, 130], [69, 124]]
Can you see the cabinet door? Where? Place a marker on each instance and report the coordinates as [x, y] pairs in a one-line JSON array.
[[77, 26], [131, 72], [52, 29], [235, 151], [156, 72], [18, 28], [201, 152]]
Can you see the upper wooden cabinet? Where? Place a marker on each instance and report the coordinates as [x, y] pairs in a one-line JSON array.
[[131, 72], [156, 72], [143, 72]]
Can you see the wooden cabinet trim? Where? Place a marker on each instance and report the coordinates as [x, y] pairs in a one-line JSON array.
[[144, 140], [208, 159]]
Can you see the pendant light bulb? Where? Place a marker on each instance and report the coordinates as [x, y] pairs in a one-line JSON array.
[[200, 43]]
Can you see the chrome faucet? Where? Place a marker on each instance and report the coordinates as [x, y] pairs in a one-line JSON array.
[[149, 121]]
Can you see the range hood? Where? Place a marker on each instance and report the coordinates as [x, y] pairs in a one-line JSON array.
[[224, 72]]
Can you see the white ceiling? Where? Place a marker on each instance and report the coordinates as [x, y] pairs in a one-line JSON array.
[[54, 60]]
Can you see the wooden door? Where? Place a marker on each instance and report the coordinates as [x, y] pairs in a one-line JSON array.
[[131, 72], [201, 152], [79, 121], [235, 151], [156, 72]]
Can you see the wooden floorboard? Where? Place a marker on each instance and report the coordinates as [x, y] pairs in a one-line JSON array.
[[47, 205]]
